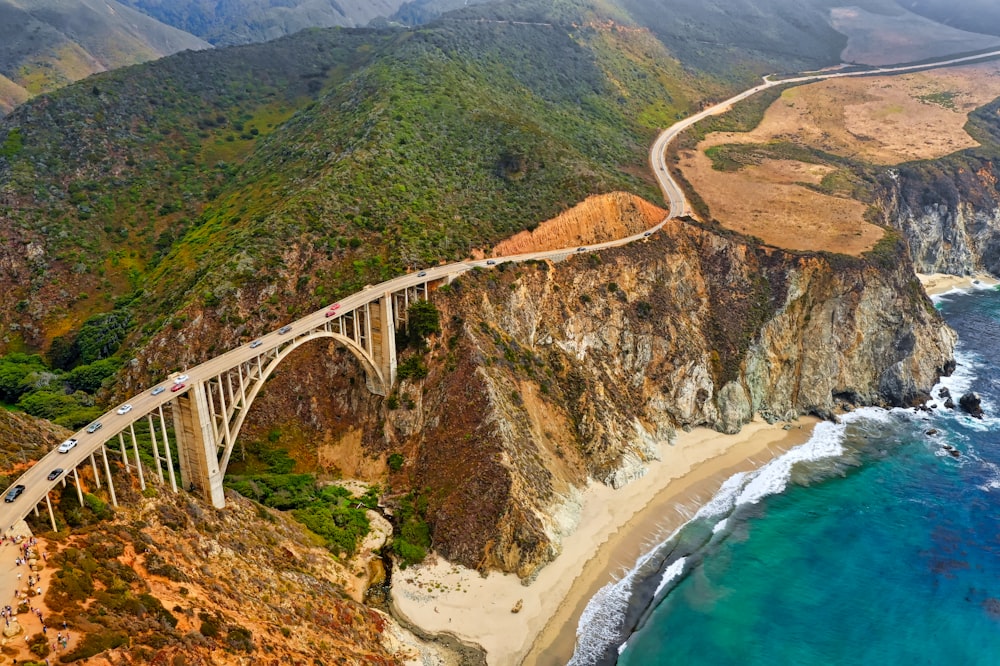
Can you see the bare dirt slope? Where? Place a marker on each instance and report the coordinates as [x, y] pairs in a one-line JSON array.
[[597, 219]]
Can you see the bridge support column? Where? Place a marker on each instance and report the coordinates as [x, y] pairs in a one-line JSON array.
[[196, 446], [107, 470], [79, 490], [52, 516], [383, 344]]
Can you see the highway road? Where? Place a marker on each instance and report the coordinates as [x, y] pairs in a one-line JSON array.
[[145, 403], [672, 192]]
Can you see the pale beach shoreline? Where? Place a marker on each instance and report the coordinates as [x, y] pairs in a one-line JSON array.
[[936, 284], [616, 526]]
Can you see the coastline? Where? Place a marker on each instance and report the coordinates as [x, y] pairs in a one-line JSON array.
[[936, 284], [615, 527]]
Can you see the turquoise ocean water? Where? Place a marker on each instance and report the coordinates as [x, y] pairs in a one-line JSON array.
[[870, 544]]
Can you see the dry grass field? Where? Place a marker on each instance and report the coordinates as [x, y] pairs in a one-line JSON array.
[[879, 120]]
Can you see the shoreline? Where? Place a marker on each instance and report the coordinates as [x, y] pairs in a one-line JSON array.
[[936, 284], [615, 527]]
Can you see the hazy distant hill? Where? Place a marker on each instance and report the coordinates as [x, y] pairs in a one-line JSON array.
[[225, 22], [972, 15], [45, 44]]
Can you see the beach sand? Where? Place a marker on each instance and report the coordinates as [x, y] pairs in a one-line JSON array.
[[939, 283], [616, 526]]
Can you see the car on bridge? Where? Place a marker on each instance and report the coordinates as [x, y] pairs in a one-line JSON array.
[[125, 409], [256, 343], [422, 274], [581, 249], [95, 426], [54, 474], [68, 445], [177, 387], [331, 313], [14, 493], [490, 262], [648, 233], [158, 390], [284, 329], [180, 378]]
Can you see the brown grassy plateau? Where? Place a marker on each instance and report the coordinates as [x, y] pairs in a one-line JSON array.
[[880, 120]]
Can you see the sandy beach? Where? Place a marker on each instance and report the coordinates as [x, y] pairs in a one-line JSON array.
[[616, 526], [939, 283]]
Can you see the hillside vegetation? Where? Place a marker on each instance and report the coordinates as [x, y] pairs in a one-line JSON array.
[[46, 44], [229, 22], [263, 181]]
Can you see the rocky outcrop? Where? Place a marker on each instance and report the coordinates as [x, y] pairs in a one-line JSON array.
[[949, 212], [552, 373]]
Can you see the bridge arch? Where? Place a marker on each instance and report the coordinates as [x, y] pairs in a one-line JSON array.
[[373, 374]]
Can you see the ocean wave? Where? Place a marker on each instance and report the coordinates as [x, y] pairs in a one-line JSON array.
[[959, 291], [675, 569], [601, 622]]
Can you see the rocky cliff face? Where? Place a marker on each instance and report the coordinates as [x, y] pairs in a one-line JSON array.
[[950, 217], [549, 373]]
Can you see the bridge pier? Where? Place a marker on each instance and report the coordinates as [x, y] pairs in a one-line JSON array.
[[196, 446], [383, 343]]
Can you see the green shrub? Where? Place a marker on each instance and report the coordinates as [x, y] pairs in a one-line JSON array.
[[412, 368], [396, 462], [95, 643]]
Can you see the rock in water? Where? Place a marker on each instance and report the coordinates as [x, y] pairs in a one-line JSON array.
[[944, 392], [949, 403], [971, 405]]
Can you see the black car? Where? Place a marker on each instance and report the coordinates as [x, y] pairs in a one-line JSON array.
[[14, 493], [55, 474]]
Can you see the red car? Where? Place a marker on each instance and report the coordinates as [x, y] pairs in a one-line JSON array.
[[177, 387]]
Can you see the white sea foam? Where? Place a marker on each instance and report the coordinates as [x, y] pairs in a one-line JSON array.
[[601, 621], [675, 569], [719, 526], [958, 291], [724, 500]]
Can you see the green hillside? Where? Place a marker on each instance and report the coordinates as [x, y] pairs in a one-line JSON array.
[[45, 44], [240, 187], [360, 152]]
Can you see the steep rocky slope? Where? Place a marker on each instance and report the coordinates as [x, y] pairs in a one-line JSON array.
[[554, 373], [950, 216]]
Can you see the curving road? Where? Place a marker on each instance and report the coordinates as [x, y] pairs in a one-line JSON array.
[[672, 192], [34, 480]]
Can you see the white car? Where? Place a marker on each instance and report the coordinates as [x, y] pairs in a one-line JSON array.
[[125, 409], [158, 390], [66, 446], [180, 378]]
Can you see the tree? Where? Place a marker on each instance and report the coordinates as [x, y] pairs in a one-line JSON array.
[[422, 320]]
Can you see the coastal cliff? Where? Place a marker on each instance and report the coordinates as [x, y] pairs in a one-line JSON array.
[[951, 220], [547, 374]]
